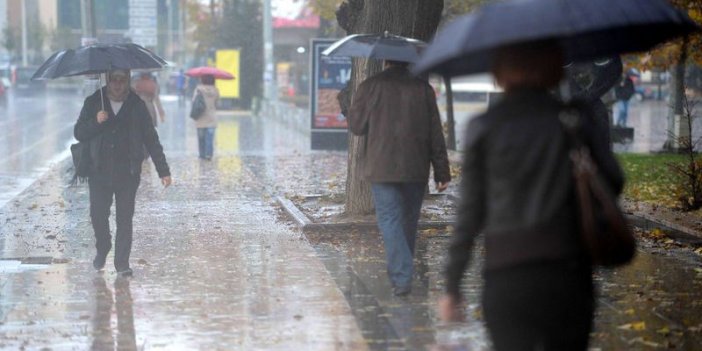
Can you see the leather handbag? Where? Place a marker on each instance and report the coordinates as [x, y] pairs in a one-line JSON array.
[[605, 232], [81, 162]]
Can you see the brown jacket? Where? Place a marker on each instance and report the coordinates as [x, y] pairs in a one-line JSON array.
[[398, 113]]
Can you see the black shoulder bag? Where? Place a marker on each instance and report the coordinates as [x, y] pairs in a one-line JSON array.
[[604, 230], [80, 154]]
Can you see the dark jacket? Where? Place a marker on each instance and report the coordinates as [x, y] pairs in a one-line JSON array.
[[625, 89], [517, 186], [141, 133], [398, 113]]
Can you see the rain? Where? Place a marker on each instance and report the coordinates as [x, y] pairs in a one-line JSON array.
[[264, 235]]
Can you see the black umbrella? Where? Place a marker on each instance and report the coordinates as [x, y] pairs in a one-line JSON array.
[[586, 29], [98, 58], [377, 46]]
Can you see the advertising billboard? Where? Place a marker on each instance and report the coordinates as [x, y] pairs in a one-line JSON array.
[[228, 60], [329, 76]]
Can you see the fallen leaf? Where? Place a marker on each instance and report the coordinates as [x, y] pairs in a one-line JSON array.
[[637, 326], [664, 330]]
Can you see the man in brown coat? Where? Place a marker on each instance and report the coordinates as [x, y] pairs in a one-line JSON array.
[[398, 114]]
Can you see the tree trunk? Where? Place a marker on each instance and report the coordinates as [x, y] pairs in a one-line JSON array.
[[411, 18], [676, 116]]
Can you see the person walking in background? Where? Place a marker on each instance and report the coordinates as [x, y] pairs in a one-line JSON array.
[[398, 114], [207, 123], [623, 93], [148, 90], [518, 190], [180, 87], [116, 129]]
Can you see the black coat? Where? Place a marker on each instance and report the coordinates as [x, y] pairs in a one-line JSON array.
[[142, 134], [517, 185]]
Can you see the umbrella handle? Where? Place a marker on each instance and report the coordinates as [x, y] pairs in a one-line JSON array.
[[102, 98]]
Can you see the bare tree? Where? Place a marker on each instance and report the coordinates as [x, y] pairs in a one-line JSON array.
[[412, 18]]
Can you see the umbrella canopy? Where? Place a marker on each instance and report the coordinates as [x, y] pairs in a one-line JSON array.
[[586, 29], [98, 58], [377, 46], [208, 71]]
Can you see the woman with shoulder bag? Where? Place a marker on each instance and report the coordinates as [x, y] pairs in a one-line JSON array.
[[206, 123], [518, 190]]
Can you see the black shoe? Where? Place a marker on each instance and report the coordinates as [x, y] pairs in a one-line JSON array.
[[401, 290], [127, 273], [99, 263]]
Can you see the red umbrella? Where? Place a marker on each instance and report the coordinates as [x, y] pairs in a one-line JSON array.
[[208, 71]]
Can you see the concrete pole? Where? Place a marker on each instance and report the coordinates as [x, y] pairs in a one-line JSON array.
[[268, 62], [24, 33], [88, 22], [181, 30], [169, 31]]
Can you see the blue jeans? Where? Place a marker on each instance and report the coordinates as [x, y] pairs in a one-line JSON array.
[[205, 138], [623, 112], [397, 208]]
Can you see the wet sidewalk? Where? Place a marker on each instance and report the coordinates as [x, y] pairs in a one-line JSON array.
[[214, 269], [219, 267]]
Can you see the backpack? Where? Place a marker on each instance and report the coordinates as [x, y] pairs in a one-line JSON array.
[[198, 107]]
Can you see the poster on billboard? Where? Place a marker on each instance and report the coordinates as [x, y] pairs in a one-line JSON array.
[[228, 60], [329, 76]]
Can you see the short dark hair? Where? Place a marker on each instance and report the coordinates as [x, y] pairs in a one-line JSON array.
[[397, 63], [537, 64], [207, 79]]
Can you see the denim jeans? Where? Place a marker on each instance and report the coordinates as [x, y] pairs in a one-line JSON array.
[[623, 112], [397, 208], [205, 138]]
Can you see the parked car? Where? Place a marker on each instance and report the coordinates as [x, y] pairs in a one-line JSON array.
[[23, 85]]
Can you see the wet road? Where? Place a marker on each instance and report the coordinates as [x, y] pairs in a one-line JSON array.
[[218, 268], [36, 133]]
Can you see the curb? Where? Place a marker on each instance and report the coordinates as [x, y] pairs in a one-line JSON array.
[[676, 232], [304, 223]]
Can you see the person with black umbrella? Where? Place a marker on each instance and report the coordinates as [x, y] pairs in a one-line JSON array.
[[116, 127], [398, 114]]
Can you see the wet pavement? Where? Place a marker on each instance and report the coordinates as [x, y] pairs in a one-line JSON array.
[[218, 267]]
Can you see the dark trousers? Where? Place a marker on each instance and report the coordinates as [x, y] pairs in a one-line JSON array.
[[544, 306], [101, 195]]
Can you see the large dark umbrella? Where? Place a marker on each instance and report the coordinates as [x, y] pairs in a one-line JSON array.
[[377, 46], [98, 58], [586, 29]]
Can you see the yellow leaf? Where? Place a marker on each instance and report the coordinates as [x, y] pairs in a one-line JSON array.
[[630, 311], [637, 326], [664, 330]]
